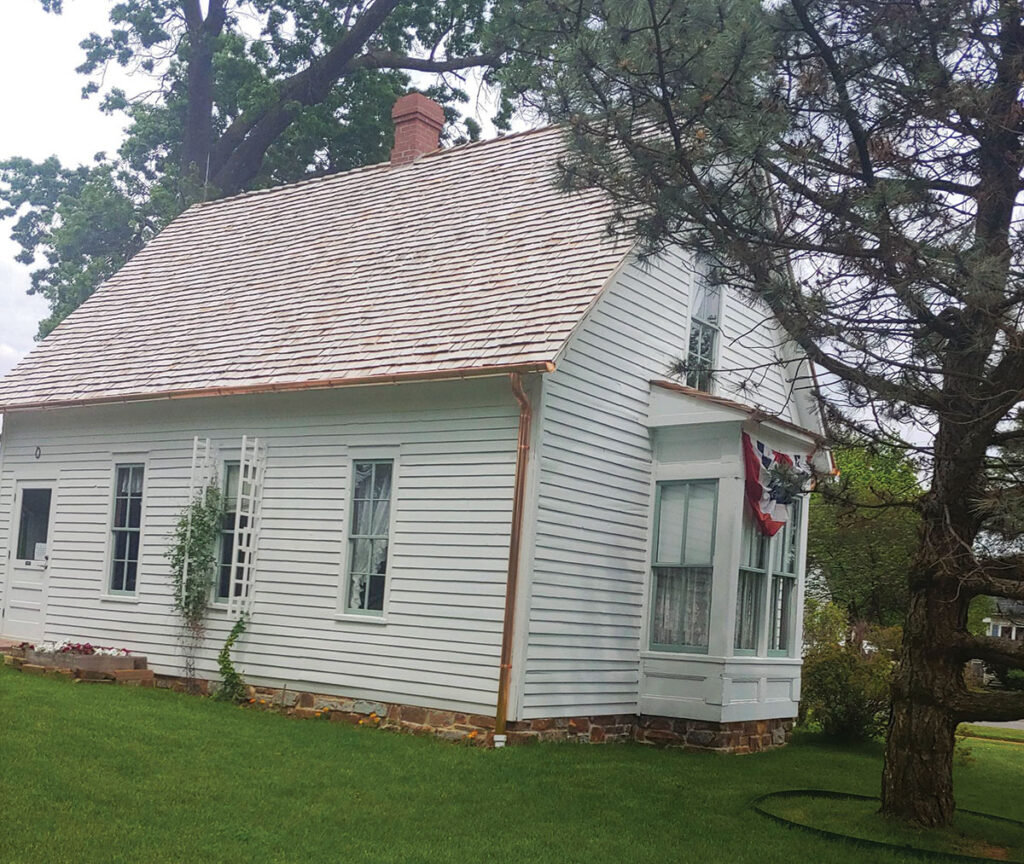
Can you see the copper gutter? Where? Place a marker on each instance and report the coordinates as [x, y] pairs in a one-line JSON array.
[[515, 541], [291, 386]]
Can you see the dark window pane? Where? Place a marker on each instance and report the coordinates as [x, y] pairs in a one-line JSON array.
[[133, 546], [123, 480], [134, 512], [34, 524], [129, 575], [224, 581], [120, 512], [117, 577], [375, 594], [121, 544]]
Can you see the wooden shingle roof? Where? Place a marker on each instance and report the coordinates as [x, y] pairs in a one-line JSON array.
[[468, 261]]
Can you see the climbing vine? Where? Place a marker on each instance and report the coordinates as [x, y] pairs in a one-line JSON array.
[[232, 687], [193, 560]]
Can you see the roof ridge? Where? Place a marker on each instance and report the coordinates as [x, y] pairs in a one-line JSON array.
[[335, 175]]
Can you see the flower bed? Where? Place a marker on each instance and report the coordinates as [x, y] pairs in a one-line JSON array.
[[81, 655]]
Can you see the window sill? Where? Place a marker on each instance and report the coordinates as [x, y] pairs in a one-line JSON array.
[[119, 598], [342, 617]]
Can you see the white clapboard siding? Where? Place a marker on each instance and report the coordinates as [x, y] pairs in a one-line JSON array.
[[593, 487], [456, 446]]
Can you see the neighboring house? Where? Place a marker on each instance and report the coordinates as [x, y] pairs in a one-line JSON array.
[[472, 489], [1007, 622]]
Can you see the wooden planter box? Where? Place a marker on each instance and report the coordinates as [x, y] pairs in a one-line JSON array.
[[89, 662]]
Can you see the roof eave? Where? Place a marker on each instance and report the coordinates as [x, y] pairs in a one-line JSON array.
[[537, 367]]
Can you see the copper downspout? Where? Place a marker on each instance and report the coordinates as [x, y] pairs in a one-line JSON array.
[[515, 541]]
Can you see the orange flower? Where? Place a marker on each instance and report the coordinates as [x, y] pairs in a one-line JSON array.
[[472, 734]]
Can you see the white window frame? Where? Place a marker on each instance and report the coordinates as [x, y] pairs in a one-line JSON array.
[[126, 460], [767, 613], [655, 564], [382, 454], [694, 375], [215, 598]]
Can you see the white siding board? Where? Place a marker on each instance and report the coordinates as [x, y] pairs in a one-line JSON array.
[[441, 641], [595, 483]]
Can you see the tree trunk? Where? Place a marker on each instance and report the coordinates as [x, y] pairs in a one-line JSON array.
[[917, 783]]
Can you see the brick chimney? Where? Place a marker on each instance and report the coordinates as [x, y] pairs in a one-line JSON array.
[[418, 122]]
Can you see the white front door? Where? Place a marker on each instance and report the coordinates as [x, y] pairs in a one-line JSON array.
[[28, 560]]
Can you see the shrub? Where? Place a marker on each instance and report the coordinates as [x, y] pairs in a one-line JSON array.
[[845, 687]]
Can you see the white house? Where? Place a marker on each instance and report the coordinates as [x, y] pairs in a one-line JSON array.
[[478, 495]]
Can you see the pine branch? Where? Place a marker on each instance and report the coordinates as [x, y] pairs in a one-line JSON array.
[[997, 707], [998, 652]]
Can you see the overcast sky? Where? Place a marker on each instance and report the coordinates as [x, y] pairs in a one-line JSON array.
[[44, 115]]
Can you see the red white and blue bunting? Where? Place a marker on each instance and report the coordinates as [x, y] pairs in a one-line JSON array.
[[773, 480]]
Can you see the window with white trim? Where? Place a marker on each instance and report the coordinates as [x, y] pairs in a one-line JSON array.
[[750, 588], [782, 601], [684, 546], [34, 525], [126, 528], [770, 561], [222, 590], [704, 327], [369, 535]]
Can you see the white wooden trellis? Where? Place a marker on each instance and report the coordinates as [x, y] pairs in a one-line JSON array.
[[202, 474], [251, 466]]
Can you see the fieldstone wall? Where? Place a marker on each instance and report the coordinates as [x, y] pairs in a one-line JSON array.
[[476, 729], [751, 736]]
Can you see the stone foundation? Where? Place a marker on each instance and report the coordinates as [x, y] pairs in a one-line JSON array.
[[748, 737], [751, 736]]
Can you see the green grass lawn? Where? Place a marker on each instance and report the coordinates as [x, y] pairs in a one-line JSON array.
[[996, 733], [98, 774], [971, 834]]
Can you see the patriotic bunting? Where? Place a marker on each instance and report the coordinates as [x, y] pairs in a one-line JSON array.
[[773, 480]]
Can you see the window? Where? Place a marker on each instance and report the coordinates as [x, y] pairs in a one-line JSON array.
[[368, 535], [700, 358], [750, 590], [773, 560], [227, 532], [126, 528], [684, 543], [34, 524], [782, 605]]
